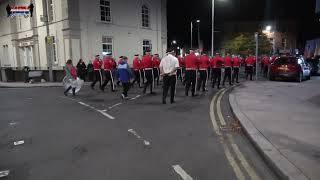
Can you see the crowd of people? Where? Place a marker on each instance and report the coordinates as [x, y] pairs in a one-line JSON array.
[[193, 70]]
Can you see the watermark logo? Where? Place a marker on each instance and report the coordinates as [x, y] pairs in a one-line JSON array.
[[25, 11]]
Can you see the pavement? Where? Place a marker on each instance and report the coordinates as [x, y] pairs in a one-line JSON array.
[[29, 85], [96, 135], [282, 120]]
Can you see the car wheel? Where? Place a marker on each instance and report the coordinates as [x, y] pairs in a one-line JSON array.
[[309, 77], [299, 77]]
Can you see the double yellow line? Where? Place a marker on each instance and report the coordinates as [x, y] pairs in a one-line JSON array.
[[235, 159]]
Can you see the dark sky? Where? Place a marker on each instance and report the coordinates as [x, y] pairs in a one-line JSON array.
[[181, 12]]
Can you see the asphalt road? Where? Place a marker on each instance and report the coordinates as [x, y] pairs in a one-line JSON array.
[[96, 135]]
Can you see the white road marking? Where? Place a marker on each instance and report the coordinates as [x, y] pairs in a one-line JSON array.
[[214, 123], [13, 123], [17, 143], [135, 97], [222, 121], [145, 142], [181, 172], [4, 173], [100, 111], [113, 106], [232, 162]]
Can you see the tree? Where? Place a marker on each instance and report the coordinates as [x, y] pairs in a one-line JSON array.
[[244, 44]]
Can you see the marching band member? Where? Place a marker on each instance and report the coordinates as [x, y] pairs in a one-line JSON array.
[[148, 69], [108, 66], [97, 64], [191, 62], [203, 70]]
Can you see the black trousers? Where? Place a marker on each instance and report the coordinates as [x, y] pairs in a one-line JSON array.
[[98, 77], [149, 77], [156, 75], [137, 77], [179, 74], [191, 81], [203, 80], [227, 74], [169, 82], [108, 77], [265, 71], [216, 77], [126, 86], [143, 75], [249, 72], [235, 75]]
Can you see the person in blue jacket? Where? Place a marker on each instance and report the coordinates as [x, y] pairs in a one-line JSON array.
[[125, 75]]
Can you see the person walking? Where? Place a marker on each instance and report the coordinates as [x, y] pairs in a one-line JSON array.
[[148, 69], [124, 74], [137, 70], [228, 69], [90, 71], [168, 69], [236, 68], [265, 62], [156, 70], [81, 69], [203, 70], [108, 66], [71, 77], [97, 64], [216, 64], [192, 64], [180, 69], [250, 61]]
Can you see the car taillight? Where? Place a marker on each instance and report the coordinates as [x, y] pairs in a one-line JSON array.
[[292, 67]]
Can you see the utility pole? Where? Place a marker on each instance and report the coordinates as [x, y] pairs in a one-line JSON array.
[[191, 34], [212, 31], [256, 35], [48, 39], [198, 21]]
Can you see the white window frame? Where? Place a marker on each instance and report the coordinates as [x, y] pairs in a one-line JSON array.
[[104, 7], [50, 10], [145, 16], [108, 41], [146, 45]]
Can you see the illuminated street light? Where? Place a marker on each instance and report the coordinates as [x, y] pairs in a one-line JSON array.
[[268, 28]]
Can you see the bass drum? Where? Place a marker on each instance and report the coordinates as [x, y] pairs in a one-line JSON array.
[[67, 82]]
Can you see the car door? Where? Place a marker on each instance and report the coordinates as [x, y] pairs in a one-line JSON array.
[[305, 68]]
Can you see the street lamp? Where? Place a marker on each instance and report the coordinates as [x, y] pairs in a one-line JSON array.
[[191, 36], [174, 42], [198, 21], [212, 25]]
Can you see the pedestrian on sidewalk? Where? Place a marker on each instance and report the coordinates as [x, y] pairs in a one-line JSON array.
[[137, 70], [81, 69], [168, 69], [192, 65], [228, 69], [124, 74], [216, 64], [148, 69], [97, 65], [70, 79]]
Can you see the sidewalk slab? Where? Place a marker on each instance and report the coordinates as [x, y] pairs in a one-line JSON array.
[[28, 85], [282, 120]]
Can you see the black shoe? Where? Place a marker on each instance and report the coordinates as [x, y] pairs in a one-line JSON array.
[[153, 93], [187, 94], [92, 87], [172, 102], [238, 82], [102, 89], [194, 95], [164, 101], [113, 91], [66, 93], [144, 91]]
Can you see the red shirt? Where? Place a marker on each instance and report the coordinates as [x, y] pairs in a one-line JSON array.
[[204, 62], [108, 64], [181, 61], [236, 62], [227, 61], [147, 62], [250, 60], [216, 62], [97, 64], [156, 62], [136, 64], [265, 61], [191, 61]]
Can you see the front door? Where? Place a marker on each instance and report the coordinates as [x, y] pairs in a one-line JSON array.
[[28, 56]]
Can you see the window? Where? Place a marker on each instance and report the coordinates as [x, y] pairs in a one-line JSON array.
[[50, 10], [145, 16], [54, 49], [147, 46], [105, 10], [107, 44]]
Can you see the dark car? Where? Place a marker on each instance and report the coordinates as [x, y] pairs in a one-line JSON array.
[[315, 65], [290, 68]]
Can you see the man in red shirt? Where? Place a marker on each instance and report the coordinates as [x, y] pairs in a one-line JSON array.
[[156, 69], [137, 70], [179, 69], [148, 69], [203, 70], [236, 67], [250, 61], [192, 65], [228, 69], [97, 72], [216, 64], [108, 66], [265, 62]]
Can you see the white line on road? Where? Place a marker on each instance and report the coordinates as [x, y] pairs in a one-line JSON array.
[[100, 111], [222, 121], [13, 123], [145, 142], [113, 106], [4, 173], [135, 97], [181, 172]]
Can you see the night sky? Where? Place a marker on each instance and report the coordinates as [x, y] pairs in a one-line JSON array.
[[181, 12]]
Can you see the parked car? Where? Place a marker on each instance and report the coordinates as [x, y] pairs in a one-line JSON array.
[[291, 68], [315, 65]]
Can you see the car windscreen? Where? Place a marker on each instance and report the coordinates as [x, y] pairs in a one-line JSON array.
[[284, 61]]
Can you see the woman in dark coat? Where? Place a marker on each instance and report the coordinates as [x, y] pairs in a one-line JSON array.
[[82, 69]]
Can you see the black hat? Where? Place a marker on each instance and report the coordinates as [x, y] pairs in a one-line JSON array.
[[96, 56], [156, 54], [136, 55]]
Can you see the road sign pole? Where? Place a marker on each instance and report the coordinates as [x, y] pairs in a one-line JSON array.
[[256, 35]]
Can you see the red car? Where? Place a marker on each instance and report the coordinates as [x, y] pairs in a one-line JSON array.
[[289, 67]]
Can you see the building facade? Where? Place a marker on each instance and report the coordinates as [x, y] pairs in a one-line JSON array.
[[81, 29]]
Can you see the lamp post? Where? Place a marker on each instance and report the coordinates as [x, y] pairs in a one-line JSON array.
[[212, 31], [174, 42], [256, 35], [198, 21], [191, 34]]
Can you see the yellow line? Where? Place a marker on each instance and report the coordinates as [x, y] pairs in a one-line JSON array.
[[222, 121], [233, 163], [214, 123]]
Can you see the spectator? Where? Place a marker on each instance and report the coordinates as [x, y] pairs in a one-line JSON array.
[[81, 69]]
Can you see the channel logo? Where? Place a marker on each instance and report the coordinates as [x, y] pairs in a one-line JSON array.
[[25, 11]]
